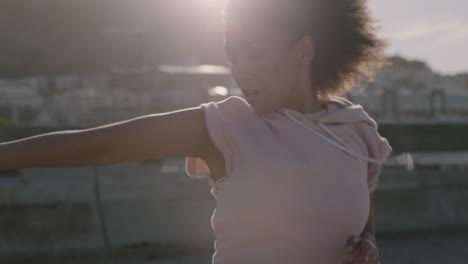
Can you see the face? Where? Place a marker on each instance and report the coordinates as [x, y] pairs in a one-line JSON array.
[[264, 65]]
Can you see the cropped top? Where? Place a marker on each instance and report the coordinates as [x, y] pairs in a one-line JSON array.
[[297, 185]]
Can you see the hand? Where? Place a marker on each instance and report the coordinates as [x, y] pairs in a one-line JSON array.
[[361, 250]]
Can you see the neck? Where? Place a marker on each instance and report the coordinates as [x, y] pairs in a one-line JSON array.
[[306, 99]]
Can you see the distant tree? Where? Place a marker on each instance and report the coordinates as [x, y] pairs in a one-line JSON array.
[[409, 64]]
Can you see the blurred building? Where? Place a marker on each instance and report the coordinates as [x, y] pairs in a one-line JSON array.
[[404, 92]]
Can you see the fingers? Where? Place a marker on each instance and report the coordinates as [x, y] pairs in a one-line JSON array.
[[362, 251], [374, 259], [372, 252], [367, 256], [352, 251], [351, 243]]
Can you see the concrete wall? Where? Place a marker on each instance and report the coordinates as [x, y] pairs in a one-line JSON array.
[[422, 201], [49, 210], [54, 210], [66, 209]]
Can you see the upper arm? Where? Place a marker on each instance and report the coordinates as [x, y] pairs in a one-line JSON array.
[[178, 133]]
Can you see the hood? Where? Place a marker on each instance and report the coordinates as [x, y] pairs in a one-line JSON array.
[[342, 111]]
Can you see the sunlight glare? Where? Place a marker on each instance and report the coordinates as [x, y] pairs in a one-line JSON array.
[[207, 3], [218, 90]]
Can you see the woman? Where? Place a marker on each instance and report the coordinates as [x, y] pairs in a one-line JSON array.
[[293, 169]]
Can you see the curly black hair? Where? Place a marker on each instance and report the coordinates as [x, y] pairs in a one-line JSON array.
[[348, 51]]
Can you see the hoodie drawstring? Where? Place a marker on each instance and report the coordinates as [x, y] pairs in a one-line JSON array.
[[348, 149]]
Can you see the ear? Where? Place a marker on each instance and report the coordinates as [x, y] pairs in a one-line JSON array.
[[306, 50]]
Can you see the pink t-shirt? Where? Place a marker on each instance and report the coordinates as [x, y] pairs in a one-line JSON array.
[[290, 195]]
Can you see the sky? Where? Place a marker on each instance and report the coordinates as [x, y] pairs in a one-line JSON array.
[[435, 31]]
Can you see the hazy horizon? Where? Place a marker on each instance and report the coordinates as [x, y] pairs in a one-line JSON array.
[[55, 37], [435, 32]]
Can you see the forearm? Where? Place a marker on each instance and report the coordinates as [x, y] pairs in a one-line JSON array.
[[68, 148], [369, 229]]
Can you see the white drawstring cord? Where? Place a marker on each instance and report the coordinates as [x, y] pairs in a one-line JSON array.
[[348, 150]]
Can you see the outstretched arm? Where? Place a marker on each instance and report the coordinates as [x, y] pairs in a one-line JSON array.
[[172, 134]]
